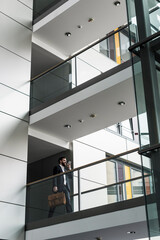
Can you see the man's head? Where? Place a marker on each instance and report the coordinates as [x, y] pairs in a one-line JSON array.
[[62, 161]]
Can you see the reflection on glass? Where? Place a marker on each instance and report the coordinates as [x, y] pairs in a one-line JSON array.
[[85, 71], [124, 41], [51, 84], [91, 187], [94, 199], [137, 186], [40, 6], [154, 15], [37, 200], [92, 62], [132, 22], [141, 104], [91, 180]]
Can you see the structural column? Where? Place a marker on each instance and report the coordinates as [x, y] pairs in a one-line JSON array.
[[150, 86], [15, 62]]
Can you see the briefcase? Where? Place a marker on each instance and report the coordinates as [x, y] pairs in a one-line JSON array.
[[57, 199]]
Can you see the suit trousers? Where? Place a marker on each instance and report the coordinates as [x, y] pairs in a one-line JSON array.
[[68, 202]]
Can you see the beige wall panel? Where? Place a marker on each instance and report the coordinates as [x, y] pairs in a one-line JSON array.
[[15, 37], [13, 180], [14, 137], [17, 11], [15, 71], [12, 221], [14, 102]]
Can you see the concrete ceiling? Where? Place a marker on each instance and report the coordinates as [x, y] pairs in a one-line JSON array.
[[114, 233], [106, 15], [100, 99]]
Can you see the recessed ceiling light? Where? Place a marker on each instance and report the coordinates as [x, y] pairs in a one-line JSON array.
[[91, 19], [121, 103], [79, 26], [81, 120], [67, 126], [131, 232], [117, 3], [92, 115], [68, 34]]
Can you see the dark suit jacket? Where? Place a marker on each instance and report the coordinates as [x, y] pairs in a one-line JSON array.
[[59, 181]]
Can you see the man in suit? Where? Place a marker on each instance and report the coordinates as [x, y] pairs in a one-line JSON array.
[[61, 183]]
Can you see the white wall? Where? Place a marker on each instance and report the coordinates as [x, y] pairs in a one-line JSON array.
[[91, 148], [92, 63], [107, 141], [90, 177], [15, 61]]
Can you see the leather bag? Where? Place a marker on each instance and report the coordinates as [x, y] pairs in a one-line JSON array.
[[57, 199]]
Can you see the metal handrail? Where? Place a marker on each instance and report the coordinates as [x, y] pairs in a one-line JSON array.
[[81, 51], [144, 41], [106, 186], [112, 185], [85, 166]]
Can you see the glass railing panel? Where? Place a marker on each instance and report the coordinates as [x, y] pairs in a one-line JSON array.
[[41, 6], [52, 84], [107, 47], [90, 179], [85, 71], [124, 45], [90, 186], [141, 104], [137, 188], [37, 199], [132, 22], [111, 194], [94, 199], [92, 62]]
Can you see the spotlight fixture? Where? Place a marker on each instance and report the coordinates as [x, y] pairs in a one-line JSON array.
[[131, 232], [92, 115], [79, 26], [90, 19], [68, 34], [117, 3], [67, 126], [81, 120], [121, 103]]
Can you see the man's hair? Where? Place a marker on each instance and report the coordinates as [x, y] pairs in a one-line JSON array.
[[60, 159]]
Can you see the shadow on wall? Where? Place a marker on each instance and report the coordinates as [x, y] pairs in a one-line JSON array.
[[44, 167]]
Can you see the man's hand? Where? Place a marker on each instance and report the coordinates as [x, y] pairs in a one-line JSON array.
[[55, 189], [68, 165]]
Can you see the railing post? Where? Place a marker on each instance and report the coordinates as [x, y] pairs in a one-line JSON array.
[[76, 83], [79, 191]]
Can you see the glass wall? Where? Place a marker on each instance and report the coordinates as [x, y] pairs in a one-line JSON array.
[[144, 16], [86, 183]]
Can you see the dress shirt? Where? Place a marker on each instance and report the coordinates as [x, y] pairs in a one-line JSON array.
[[64, 175]]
